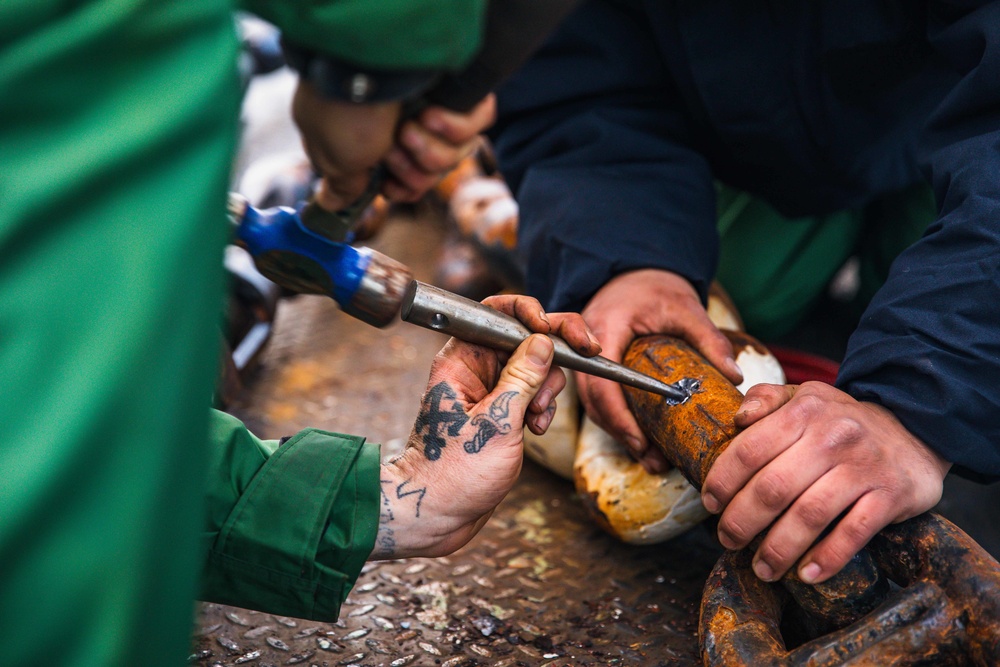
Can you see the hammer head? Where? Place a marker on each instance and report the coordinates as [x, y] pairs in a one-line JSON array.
[[379, 294], [367, 284]]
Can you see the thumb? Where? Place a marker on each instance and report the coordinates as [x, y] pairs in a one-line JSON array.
[[523, 375]]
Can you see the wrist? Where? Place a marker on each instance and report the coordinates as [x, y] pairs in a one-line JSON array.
[[414, 516]]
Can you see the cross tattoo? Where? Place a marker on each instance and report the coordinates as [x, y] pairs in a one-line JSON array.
[[433, 416]]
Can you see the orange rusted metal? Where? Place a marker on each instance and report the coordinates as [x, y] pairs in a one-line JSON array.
[[695, 432], [692, 435], [945, 611], [939, 617]]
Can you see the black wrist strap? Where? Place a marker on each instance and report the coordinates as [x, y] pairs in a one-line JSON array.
[[340, 80]]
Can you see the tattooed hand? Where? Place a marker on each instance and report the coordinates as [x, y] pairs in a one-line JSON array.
[[464, 453]]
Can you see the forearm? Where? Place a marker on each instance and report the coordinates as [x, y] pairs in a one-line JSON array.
[[928, 344], [592, 143]]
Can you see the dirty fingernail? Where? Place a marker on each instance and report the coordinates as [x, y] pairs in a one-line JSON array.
[[593, 339], [539, 350], [733, 367], [749, 407], [634, 444], [763, 571], [544, 317], [711, 503], [543, 420], [543, 399], [726, 539], [810, 573]]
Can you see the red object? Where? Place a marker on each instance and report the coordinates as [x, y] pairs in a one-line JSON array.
[[802, 366]]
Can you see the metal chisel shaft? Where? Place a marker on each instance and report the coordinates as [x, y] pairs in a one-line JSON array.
[[440, 310]]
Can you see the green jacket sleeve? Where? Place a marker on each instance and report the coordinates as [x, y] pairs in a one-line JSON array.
[[383, 34], [288, 526]]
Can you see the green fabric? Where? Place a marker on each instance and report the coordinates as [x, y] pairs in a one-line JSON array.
[[776, 268], [117, 123], [385, 34], [893, 223], [117, 129], [288, 527]]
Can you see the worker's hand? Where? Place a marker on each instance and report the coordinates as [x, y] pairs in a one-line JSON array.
[[464, 453], [344, 141], [648, 301], [430, 145], [808, 454]]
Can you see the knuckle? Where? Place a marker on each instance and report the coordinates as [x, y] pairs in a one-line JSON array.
[[734, 529], [846, 430], [816, 388], [775, 394], [805, 406], [842, 432], [749, 452], [523, 376], [813, 513], [857, 530], [772, 490], [528, 304], [776, 553]]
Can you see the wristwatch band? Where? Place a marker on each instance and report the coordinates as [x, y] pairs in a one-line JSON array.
[[340, 80]]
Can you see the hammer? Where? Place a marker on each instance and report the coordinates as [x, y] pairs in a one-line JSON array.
[[373, 288]]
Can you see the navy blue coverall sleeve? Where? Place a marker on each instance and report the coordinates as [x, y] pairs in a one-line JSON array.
[[591, 142], [928, 347]]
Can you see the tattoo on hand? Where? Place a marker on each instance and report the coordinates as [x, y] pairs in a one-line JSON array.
[[386, 537], [432, 416], [422, 491], [489, 426]]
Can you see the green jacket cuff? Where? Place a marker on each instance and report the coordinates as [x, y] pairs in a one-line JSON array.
[[297, 537]]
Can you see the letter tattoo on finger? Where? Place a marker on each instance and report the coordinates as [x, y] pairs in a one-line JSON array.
[[492, 423]]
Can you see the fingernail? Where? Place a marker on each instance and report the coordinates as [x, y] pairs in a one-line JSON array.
[[545, 318], [634, 445], [734, 367], [539, 350], [726, 539], [593, 339], [810, 573], [748, 407], [543, 399], [543, 420], [711, 503], [763, 571]]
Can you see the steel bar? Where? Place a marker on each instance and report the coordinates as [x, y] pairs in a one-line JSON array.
[[440, 310]]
